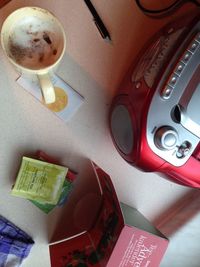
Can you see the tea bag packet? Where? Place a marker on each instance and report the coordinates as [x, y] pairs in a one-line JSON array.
[[15, 244], [66, 189], [40, 181]]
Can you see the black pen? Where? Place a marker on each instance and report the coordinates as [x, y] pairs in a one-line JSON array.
[[97, 20]]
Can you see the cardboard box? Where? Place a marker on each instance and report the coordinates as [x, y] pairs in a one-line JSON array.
[[97, 231]]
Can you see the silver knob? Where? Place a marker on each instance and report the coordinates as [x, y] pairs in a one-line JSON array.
[[166, 138], [184, 149]]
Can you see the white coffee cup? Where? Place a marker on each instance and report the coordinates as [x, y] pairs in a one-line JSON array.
[[34, 42]]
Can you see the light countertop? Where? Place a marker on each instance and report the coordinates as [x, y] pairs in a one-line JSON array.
[[93, 68]]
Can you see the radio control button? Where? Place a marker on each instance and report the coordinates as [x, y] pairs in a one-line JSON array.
[[197, 37], [186, 57], [193, 46], [170, 140], [166, 93], [173, 80], [166, 138], [184, 149], [179, 68]]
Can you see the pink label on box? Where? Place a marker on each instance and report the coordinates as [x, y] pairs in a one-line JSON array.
[[137, 248]]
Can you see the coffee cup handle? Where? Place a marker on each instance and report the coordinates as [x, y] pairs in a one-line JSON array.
[[47, 88]]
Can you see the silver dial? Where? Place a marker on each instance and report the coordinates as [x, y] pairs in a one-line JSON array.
[[166, 138]]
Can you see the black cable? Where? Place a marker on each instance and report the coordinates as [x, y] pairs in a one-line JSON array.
[[196, 2], [166, 10]]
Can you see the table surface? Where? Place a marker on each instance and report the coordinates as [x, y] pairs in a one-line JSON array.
[[94, 68]]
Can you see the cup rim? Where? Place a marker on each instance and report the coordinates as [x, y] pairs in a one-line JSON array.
[[40, 70]]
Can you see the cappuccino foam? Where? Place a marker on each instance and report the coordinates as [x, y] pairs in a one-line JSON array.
[[35, 43]]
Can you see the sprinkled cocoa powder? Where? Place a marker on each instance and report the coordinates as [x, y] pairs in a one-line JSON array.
[[17, 52], [47, 38], [41, 57], [55, 51], [36, 49]]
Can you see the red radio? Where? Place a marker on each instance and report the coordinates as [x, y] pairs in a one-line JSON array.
[[155, 116]]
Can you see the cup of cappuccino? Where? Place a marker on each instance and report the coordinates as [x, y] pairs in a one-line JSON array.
[[34, 41]]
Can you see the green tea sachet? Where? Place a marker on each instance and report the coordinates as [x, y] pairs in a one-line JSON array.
[[40, 181]]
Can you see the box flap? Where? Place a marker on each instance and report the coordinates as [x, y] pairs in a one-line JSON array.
[[73, 251], [109, 223], [133, 217], [80, 212], [93, 247], [137, 248]]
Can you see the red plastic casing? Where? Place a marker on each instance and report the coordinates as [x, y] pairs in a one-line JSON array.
[[138, 101]]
